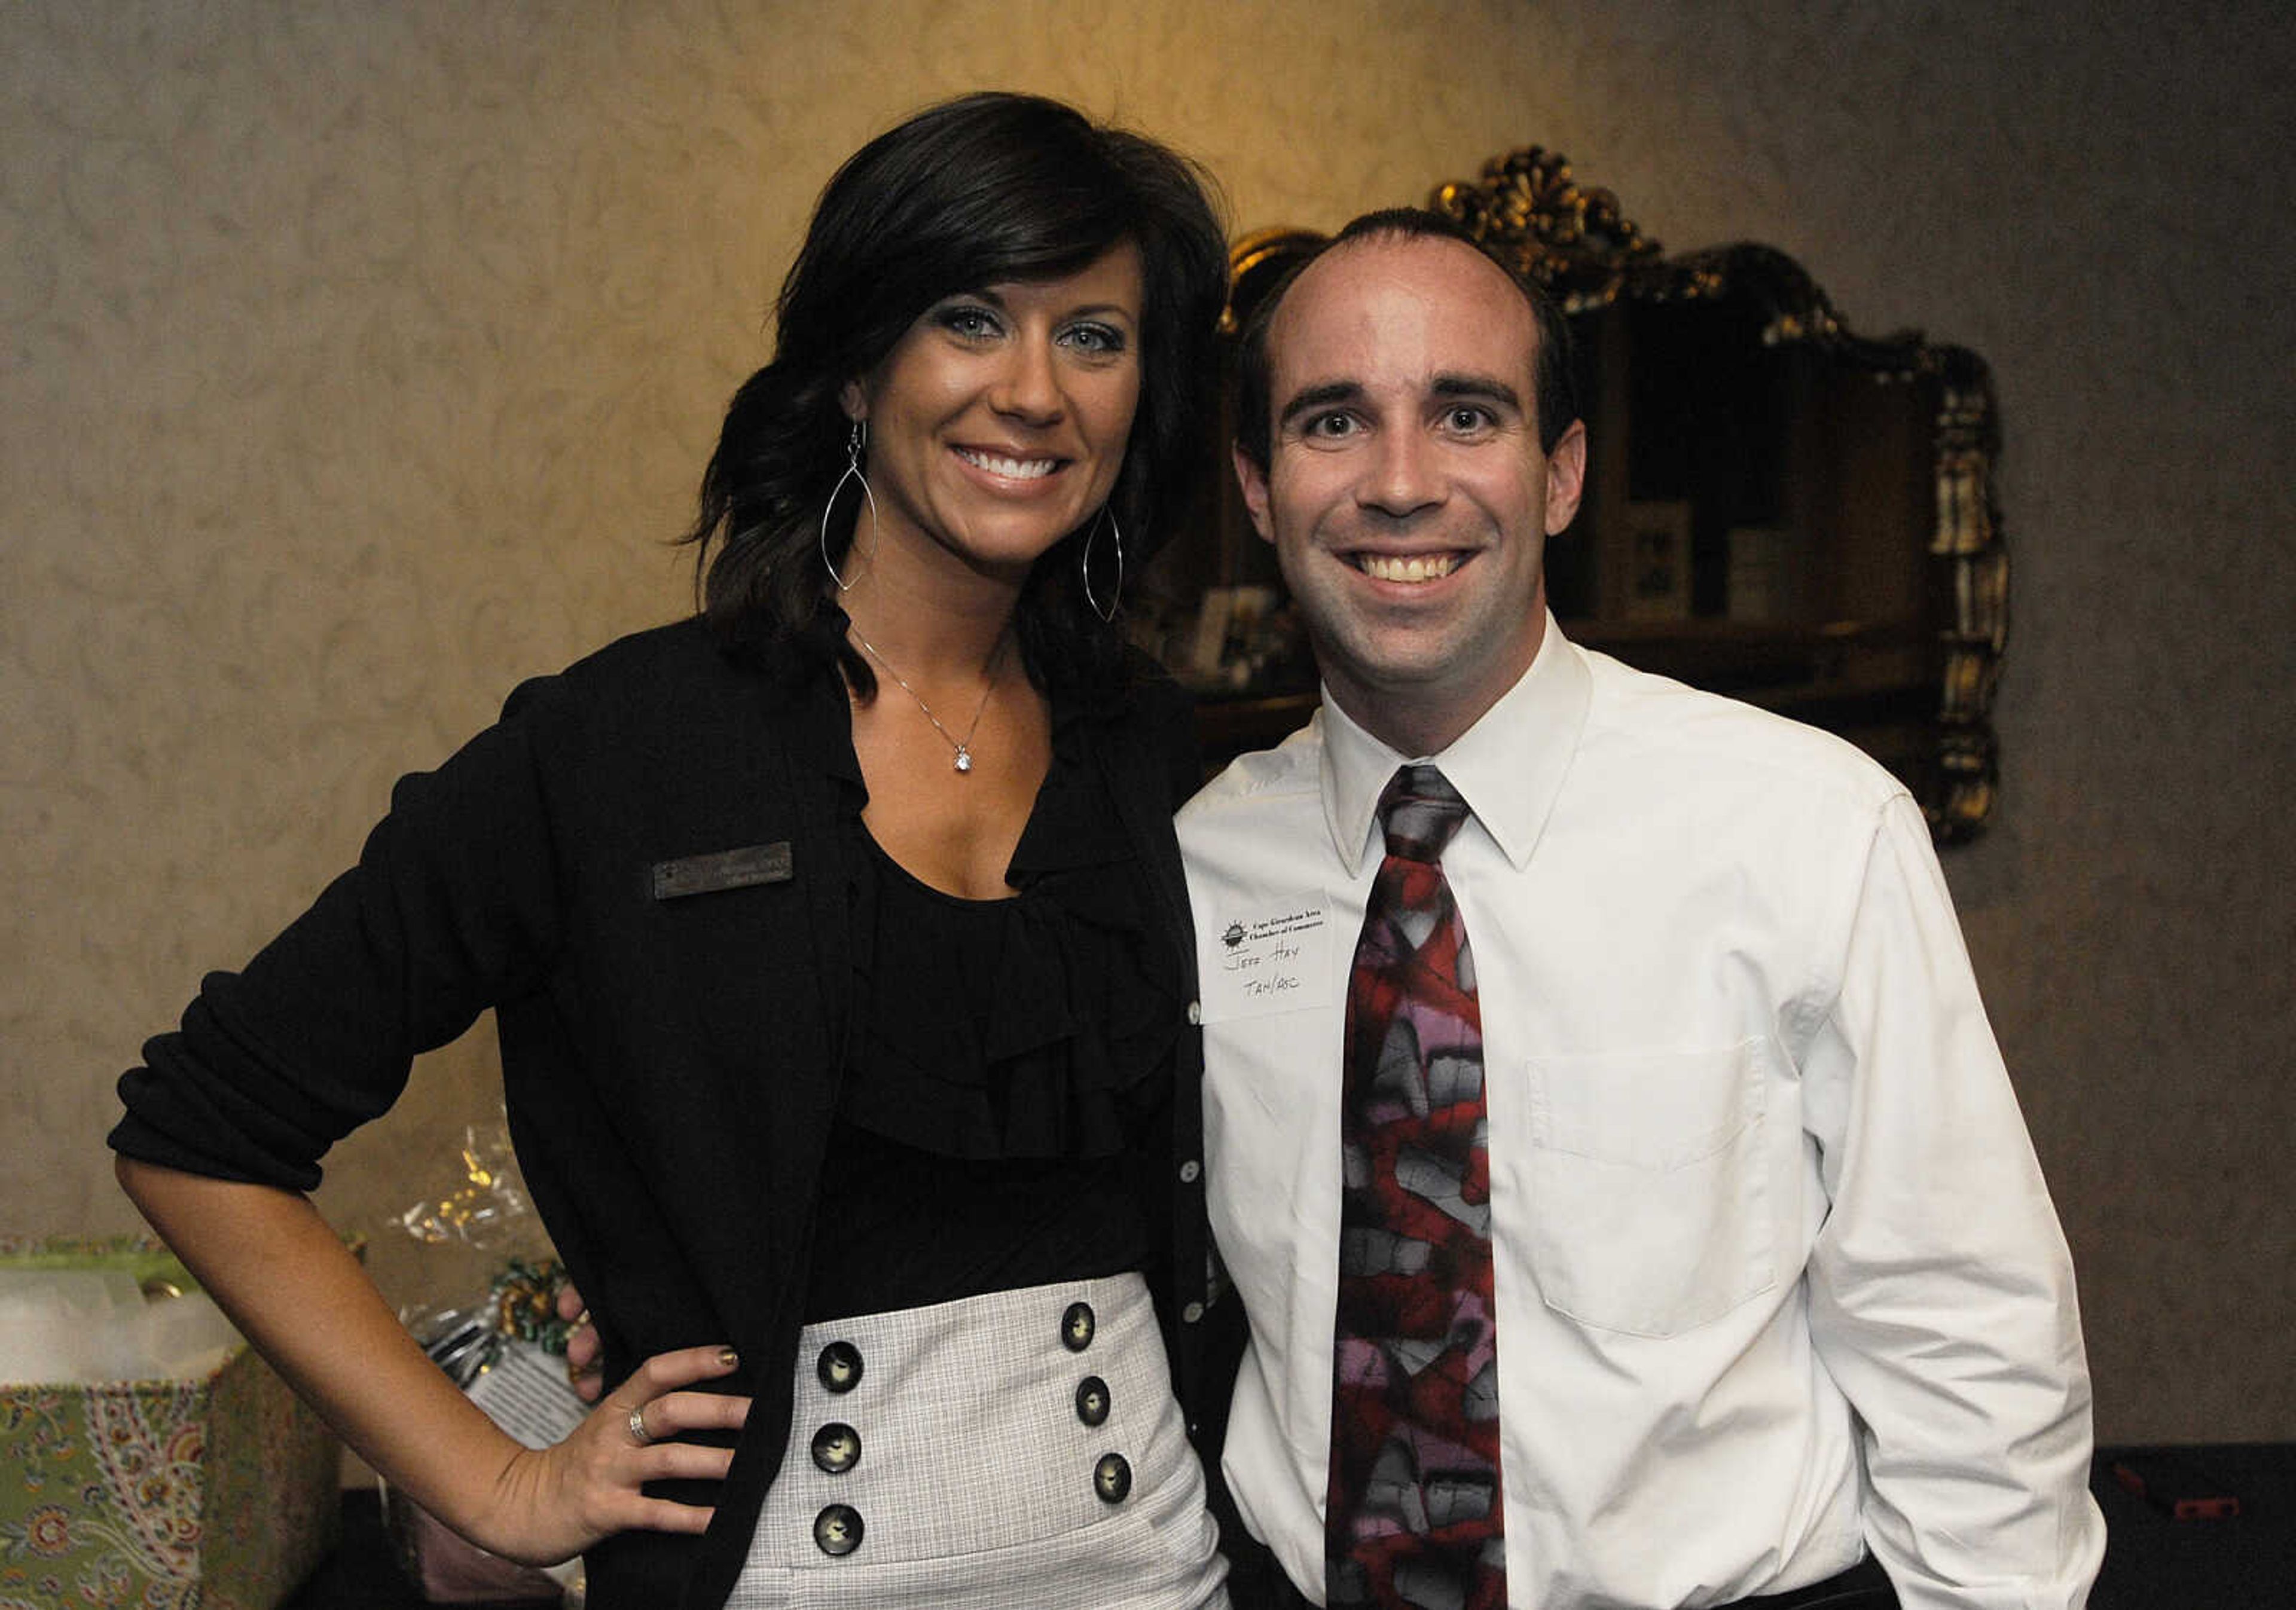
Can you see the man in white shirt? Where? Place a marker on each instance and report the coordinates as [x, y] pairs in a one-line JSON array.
[[1777, 1280]]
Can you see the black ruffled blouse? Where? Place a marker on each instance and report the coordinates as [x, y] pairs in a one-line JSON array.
[[1009, 1066]]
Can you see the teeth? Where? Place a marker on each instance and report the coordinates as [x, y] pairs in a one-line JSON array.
[[1010, 468], [1418, 567]]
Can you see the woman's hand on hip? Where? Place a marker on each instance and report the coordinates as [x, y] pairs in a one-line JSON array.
[[552, 1503]]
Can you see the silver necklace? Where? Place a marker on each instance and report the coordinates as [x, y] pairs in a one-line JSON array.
[[962, 745]]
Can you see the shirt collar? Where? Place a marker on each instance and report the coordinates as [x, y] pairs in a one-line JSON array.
[[1509, 766]]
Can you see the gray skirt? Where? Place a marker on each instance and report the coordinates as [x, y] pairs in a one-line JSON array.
[[1020, 1450]]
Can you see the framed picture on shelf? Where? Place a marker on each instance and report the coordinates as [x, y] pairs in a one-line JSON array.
[[1658, 560], [1764, 579]]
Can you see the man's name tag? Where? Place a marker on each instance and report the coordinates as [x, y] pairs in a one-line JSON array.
[[1277, 959]]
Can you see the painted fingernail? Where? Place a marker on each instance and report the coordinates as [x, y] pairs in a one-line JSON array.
[[727, 1359]]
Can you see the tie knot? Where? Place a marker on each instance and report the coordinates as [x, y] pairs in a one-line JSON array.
[[1419, 811]]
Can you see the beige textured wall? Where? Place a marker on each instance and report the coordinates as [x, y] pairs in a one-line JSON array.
[[356, 358]]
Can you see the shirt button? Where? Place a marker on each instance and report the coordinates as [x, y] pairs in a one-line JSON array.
[[840, 1368], [836, 1448], [1189, 1171], [1193, 1312], [1077, 1327], [1112, 1479], [837, 1530], [1092, 1400], [1196, 1014]]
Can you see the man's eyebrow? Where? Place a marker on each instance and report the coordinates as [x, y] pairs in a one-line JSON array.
[[1318, 396], [1480, 388], [1447, 387]]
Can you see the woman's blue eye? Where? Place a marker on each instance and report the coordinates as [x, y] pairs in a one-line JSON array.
[[1096, 338], [969, 320]]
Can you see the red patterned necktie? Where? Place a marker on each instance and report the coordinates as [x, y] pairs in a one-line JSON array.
[[1412, 1516]]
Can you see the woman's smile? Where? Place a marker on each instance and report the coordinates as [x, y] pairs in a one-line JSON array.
[[1006, 467]]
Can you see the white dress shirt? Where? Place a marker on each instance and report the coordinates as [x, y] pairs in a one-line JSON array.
[[1777, 1276]]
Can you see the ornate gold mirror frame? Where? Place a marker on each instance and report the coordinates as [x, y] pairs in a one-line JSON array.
[[1894, 636]]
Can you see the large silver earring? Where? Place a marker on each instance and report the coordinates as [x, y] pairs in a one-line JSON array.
[[1084, 565], [857, 442]]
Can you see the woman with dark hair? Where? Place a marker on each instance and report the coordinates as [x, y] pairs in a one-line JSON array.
[[839, 953]]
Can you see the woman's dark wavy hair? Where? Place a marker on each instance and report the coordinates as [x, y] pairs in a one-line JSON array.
[[968, 194]]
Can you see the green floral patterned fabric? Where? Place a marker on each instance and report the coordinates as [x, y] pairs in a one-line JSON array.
[[211, 1494]]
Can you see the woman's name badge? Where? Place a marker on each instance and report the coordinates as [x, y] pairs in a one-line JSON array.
[[1275, 959]]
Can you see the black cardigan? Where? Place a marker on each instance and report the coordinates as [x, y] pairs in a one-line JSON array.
[[670, 1024]]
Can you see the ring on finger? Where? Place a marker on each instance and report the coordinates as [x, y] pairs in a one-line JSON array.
[[638, 1432]]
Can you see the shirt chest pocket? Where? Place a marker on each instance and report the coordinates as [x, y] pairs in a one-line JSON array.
[[1649, 1213]]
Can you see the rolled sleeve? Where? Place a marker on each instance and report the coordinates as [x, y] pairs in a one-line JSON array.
[[450, 910]]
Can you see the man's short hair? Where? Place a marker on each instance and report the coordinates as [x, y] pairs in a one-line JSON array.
[[1555, 401]]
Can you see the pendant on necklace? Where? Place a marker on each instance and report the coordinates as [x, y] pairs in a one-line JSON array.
[[964, 758]]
